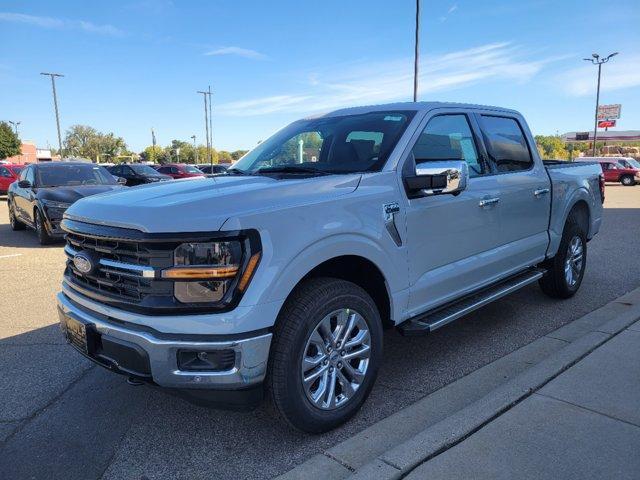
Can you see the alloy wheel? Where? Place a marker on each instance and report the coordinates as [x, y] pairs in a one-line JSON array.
[[336, 358], [574, 261]]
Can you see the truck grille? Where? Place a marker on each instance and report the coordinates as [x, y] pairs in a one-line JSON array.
[[124, 271]]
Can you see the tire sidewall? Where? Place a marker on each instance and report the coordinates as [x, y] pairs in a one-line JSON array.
[[297, 403], [41, 228]]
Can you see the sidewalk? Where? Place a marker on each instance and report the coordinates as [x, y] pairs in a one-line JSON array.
[[565, 406], [583, 424]]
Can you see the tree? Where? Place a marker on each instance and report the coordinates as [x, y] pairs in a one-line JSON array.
[[551, 147], [238, 154], [9, 141], [152, 153], [86, 142]]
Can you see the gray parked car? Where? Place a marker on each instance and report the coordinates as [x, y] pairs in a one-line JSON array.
[[284, 271]]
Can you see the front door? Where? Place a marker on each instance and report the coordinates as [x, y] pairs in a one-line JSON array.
[[452, 240]]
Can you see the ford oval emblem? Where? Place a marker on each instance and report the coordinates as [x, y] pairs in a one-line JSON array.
[[83, 263]]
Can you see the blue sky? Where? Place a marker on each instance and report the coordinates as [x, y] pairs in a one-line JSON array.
[[132, 65]]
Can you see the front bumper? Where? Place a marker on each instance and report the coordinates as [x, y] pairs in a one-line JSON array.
[[153, 356]]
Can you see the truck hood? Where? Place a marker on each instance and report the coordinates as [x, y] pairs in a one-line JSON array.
[[204, 204]]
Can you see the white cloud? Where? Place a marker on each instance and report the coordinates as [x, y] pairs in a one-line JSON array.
[[362, 83], [58, 23], [238, 51], [619, 73], [451, 9]]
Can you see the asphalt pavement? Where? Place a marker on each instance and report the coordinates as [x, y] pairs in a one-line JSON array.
[[62, 417]]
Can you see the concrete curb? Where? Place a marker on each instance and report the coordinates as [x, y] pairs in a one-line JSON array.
[[396, 445]]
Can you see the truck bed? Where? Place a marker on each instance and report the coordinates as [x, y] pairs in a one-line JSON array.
[[570, 182]]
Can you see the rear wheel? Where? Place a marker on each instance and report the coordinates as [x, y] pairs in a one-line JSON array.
[[13, 220], [326, 353], [565, 271], [41, 230], [628, 181]]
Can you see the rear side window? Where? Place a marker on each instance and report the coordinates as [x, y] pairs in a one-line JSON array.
[[506, 144], [448, 137], [4, 172]]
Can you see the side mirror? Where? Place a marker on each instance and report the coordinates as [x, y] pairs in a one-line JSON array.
[[121, 181], [24, 184], [438, 178]]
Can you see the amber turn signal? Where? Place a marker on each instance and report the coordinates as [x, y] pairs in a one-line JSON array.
[[200, 273], [246, 276]]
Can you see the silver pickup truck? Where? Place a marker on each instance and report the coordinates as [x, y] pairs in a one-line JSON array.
[[281, 274]]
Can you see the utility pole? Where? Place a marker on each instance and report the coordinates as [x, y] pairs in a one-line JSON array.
[[206, 122], [416, 53], [210, 126], [55, 106], [15, 126], [195, 149], [597, 60], [153, 137]]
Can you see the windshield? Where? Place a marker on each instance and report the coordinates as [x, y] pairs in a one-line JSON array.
[[632, 162], [351, 143], [17, 170], [192, 169], [70, 175], [143, 170]]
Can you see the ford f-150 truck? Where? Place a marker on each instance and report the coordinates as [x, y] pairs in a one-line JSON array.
[[281, 275]]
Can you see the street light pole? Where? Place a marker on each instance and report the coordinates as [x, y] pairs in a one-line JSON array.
[[15, 126], [195, 149], [55, 106], [210, 127], [206, 121], [416, 53], [597, 60]]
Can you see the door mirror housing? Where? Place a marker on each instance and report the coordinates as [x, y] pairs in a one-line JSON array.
[[24, 184], [121, 181], [438, 178]]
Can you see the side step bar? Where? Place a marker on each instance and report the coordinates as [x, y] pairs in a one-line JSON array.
[[433, 319]]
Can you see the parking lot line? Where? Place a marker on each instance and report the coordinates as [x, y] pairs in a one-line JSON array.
[[12, 255]]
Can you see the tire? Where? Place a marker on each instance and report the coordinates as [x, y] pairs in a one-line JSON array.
[[564, 271], [297, 338], [41, 230], [627, 181], [13, 220]]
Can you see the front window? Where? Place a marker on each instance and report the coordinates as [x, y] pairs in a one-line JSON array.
[[143, 170], [71, 175], [345, 144], [632, 163], [192, 169], [16, 170]]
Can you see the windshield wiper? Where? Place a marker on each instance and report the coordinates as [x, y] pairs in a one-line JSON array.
[[291, 169], [236, 171]]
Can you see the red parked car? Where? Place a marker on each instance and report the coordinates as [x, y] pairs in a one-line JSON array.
[[8, 174], [180, 170], [614, 171]]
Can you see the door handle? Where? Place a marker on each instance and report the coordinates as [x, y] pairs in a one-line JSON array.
[[488, 201], [540, 191]]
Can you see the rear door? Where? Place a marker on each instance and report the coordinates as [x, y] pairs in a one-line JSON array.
[[451, 240], [525, 190]]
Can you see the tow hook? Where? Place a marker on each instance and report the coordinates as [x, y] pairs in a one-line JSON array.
[[134, 382]]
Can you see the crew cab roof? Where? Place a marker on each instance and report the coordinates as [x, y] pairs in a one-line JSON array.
[[411, 106]]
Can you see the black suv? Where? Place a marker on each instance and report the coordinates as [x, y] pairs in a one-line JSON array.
[[44, 191], [137, 173]]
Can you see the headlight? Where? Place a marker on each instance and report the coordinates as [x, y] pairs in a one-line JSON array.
[[205, 272]]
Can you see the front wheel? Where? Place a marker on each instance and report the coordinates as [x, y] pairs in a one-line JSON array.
[[326, 353], [565, 271], [628, 181], [41, 229], [13, 219]]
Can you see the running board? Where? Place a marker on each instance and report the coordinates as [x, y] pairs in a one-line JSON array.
[[433, 319]]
